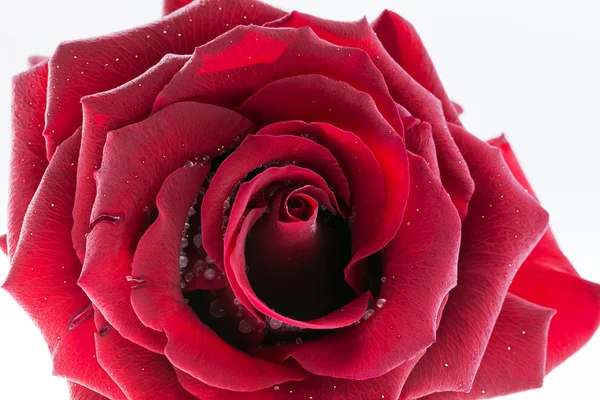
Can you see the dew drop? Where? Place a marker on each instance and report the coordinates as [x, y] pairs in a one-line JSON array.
[[381, 303], [199, 266], [275, 323], [80, 317], [198, 240], [383, 279], [209, 260], [298, 340], [188, 276], [236, 302], [245, 326], [210, 274], [217, 308], [276, 388], [183, 261], [368, 314]]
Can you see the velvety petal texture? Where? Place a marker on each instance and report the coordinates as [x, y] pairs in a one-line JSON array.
[[238, 203]]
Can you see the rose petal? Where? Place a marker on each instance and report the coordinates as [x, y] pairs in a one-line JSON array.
[[387, 386], [403, 43], [219, 72], [348, 109], [344, 316], [503, 225], [255, 151], [547, 278], [102, 64], [172, 5], [80, 392], [28, 149], [43, 277], [419, 141], [515, 356], [403, 89], [360, 167], [136, 161], [34, 60], [419, 267], [104, 112], [156, 259], [140, 373], [199, 351], [3, 244]]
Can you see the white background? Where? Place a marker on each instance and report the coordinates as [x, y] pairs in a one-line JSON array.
[[530, 68]]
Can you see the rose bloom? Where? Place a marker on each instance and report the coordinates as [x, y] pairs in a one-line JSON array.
[[239, 203]]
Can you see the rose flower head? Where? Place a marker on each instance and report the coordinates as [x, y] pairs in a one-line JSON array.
[[235, 202]]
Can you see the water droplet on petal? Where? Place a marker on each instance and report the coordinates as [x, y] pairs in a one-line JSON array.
[[275, 323], [381, 302], [383, 279], [368, 314], [183, 261], [80, 317], [210, 274], [245, 326], [198, 240], [217, 308]]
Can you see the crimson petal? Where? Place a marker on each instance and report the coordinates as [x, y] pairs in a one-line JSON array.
[[417, 279], [387, 386], [137, 159], [80, 392], [503, 225], [342, 317], [104, 112], [28, 150], [218, 72], [404, 90], [140, 373], [419, 141], [253, 152], [45, 260], [403, 43], [547, 278], [515, 356], [360, 167], [172, 5], [349, 109], [83, 67], [156, 259]]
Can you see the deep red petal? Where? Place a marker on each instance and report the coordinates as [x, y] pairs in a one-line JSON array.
[[43, 277], [387, 386], [28, 149], [403, 43], [404, 90], [344, 316], [320, 99], [3, 244], [360, 167], [172, 5], [503, 225], [255, 151], [547, 278], [419, 267], [515, 357], [140, 373], [83, 67], [419, 140], [197, 350], [229, 69], [80, 392], [136, 161], [102, 113], [156, 259]]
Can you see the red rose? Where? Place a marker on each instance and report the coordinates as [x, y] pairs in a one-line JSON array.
[[289, 208]]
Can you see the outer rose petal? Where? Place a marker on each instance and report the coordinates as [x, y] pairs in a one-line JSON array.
[[547, 278], [419, 266], [503, 225], [404, 90], [34, 60], [102, 63], [137, 158], [387, 386], [218, 72], [515, 357], [402, 41], [104, 112], [172, 5], [3, 244], [140, 373], [45, 261], [80, 392], [28, 150]]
